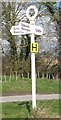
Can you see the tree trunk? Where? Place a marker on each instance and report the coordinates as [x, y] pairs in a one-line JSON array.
[[43, 75], [1, 78], [38, 75], [16, 75], [28, 75], [13, 76], [57, 78], [5, 77], [47, 75], [53, 76], [10, 78], [19, 75], [22, 76]]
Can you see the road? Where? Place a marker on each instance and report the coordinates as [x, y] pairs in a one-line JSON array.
[[29, 97]]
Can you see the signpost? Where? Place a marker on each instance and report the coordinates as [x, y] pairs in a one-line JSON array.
[[25, 28], [38, 30], [18, 30]]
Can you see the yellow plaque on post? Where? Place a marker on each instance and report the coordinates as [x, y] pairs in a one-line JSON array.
[[34, 47]]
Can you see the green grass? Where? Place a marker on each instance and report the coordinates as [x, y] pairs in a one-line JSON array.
[[0, 88], [0, 110], [24, 86], [47, 86], [24, 109]]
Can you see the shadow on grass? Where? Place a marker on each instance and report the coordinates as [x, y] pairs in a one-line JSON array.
[[27, 105]]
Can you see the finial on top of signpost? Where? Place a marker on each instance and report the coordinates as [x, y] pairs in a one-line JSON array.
[[32, 7]]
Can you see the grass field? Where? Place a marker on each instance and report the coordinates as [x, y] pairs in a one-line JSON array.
[[24, 86], [47, 108]]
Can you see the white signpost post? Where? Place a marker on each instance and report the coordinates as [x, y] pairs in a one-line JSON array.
[[25, 28]]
